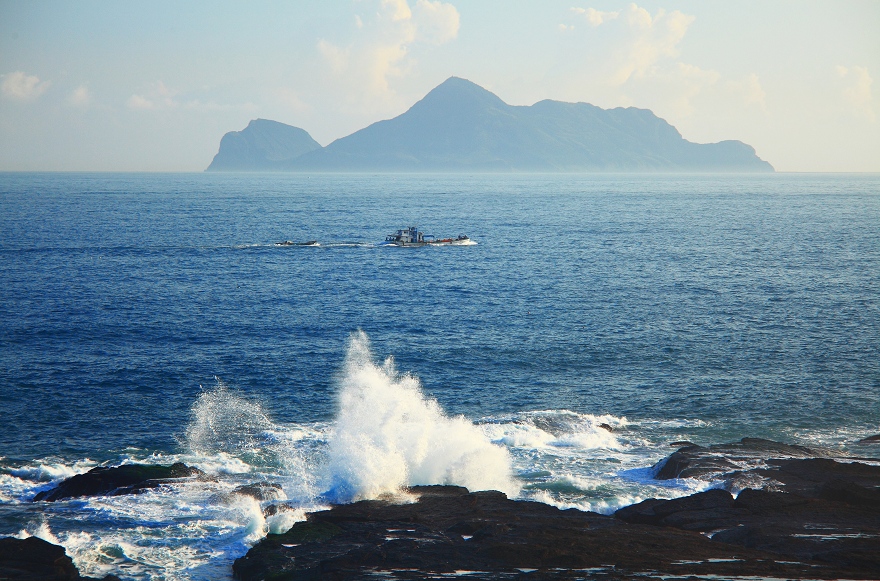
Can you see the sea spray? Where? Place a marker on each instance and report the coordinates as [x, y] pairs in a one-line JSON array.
[[224, 421], [388, 435], [230, 433]]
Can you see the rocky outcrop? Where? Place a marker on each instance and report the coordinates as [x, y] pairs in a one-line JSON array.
[[799, 513], [730, 460], [449, 529], [117, 480], [261, 491], [262, 146], [816, 510], [34, 559]]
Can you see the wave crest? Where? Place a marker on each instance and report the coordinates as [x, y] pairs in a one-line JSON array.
[[388, 435]]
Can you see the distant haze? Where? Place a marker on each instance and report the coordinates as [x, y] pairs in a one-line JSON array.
[[153, 86]]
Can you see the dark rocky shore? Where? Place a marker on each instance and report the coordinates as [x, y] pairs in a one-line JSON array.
[[798, 513]]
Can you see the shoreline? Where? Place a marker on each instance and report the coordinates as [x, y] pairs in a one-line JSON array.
[[795, 512]]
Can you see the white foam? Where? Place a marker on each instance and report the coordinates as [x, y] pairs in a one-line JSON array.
[[281, 522], [558, 428], [50, 472], [40, 530], [251, 514], [388, 435], [593, 439], [221, 463], [518, 435]]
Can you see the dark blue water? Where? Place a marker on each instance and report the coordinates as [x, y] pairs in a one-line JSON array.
[[748, 299], [741, 305]]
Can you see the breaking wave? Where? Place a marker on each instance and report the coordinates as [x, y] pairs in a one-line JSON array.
[[388, 435]]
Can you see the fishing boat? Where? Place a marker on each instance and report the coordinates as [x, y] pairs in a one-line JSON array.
[[412, 236]]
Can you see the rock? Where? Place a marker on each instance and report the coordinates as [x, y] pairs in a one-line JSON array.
[[807, 516], [875, 439], [851, 493], [710, 499], [803, 508], [682, 444], [606, 427], [641, 513], [807, 477], [704, 511], [261, 491], [764, 501], [117, 480], [450, 529], [713, 462], [34, 559]]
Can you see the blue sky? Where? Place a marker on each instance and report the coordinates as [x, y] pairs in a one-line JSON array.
[[153, 86]]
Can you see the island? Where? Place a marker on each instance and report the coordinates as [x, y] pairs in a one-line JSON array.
[[461, 127]]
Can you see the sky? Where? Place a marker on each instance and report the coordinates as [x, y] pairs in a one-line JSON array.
[[99, 85]]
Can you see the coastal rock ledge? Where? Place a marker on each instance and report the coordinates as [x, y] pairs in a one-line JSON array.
[[117, 481], [34, 559], [804, 518]]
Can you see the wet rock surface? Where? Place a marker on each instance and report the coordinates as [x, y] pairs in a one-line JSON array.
[[875, 439], [34, 559], [261, 491], [449, 530], [117, 480], [816, 510], [732, 460]]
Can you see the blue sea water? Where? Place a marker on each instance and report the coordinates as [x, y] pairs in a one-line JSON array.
[[152, 318]]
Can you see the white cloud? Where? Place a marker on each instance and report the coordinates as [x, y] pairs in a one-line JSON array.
[[596, 17], [397, 9], [139, 103], [380, 50], [436, 22], [334, 56], [159, 96], [22, 87], [80, 97], [749, 91], [691, 81], [643, 65], [754, 92], [857, 93], [655, 39]]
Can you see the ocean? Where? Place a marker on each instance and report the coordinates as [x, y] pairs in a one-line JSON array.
[[594, 321]]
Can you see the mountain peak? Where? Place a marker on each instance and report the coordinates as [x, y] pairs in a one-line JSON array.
[[460, 91]]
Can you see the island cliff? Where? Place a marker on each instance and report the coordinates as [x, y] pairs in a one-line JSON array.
[[459, 126], [262, 146]]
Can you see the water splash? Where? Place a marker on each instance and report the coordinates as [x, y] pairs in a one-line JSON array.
[[388, 434], [39, 529], [225, 422]]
